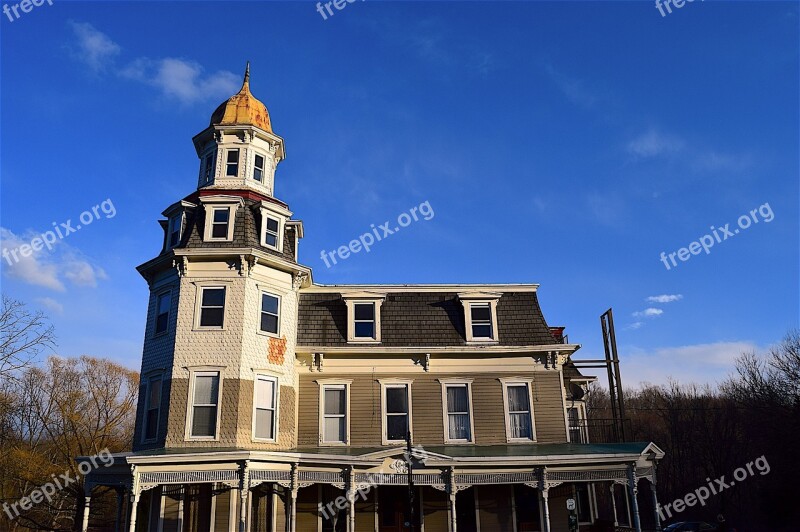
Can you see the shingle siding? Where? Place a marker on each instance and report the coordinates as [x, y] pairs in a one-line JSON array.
[[421, 319]]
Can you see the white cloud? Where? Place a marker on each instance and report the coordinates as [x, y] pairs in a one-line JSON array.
[[649, 313], [700, 363], [665, 298], [574, 89], [653, 143], [633, 326], [94, 47], [46, 268], [182, 79], [51, 304]]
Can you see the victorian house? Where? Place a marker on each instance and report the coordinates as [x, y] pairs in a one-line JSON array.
[[269, 402]]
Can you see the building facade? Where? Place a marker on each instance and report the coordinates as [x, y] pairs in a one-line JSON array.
[[269, 402]]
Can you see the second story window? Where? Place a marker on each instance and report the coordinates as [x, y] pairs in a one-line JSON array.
[[457, 411], [576, 425], [266, 401], [212, 306], [153, 409], [163, 304], [519, 416], [270, 313], [271, 234], [258, 168], [205, 401], [220, 218], [334, 413], [232, 164], [396, 411]]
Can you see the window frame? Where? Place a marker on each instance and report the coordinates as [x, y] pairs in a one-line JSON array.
[[206, 371], [457, 382], [159, 296], [470, 299], [148, 387], [262, 293], [212, 223], [228, 163], [208, 170], [580, 408], [263, 168], [351, 299], [179, 218], [278, 236], [334, 383], [199, 307], [212, 203], [507, 382], [276, 395], [385, 384]]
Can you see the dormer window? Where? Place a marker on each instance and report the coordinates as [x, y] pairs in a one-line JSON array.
[[480, 316], [220, 219], [208, 167], [220, 215], [273, 219], [363, 317], [271, 235], [175, 229], [232, 164], [258, 168]]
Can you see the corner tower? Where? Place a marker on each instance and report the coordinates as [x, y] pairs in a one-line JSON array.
[[218, 364]]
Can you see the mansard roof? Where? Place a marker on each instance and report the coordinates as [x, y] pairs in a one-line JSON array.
[[415, 317]]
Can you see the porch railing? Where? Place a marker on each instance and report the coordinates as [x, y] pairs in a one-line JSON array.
[[598, 430]]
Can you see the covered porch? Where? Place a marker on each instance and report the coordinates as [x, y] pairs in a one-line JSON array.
[[515, 488]]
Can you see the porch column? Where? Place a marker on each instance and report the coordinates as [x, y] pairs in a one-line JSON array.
[[293, 505], [244, 490], [120, 502], [655, 499], [451, 491], [351, 500], [135, 492], [87, 501], [634, 491], [544, 494], [613, 503]]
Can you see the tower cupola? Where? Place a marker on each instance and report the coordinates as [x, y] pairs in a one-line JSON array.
[[239, 150]]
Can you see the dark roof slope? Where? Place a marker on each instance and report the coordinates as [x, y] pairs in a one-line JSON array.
[[430, 319]]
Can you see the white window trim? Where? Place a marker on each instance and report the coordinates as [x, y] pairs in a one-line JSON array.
[[324, 383], [261, 311], [445, 382], [239, 164], [159, 295], [389, 383], [211, 203], [276, 212], [516, 381], [581, 408], [266, 376], [203, 371], [159, 376], [212, 155], [350, 299], [198, 306], [482, 298], [263, 169]]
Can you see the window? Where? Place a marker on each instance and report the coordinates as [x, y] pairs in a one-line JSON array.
[[163, 304], [266, 401], [519, 415], [458, 412], [232, 166], [258, 168], [334, 408], [364, 322], [212, 306], [220, 218], [396, 406], [270, 313], [576, 426], [363, 316], [480, 316], [208, 167], [175, 228], [583, 502], [152, 409], [271, 234], [205, 398]]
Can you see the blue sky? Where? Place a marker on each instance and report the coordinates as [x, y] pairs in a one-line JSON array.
[[567, 144]]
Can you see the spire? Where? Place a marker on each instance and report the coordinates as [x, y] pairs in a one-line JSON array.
[[247, 76]]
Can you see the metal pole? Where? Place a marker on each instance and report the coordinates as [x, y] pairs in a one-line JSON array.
[[617, 375], [410, 468]]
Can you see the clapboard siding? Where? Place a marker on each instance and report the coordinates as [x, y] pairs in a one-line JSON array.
[[428, 425]]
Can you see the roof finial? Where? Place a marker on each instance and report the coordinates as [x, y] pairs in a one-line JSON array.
[[247, 74]]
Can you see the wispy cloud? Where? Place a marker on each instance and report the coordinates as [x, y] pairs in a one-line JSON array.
[[665, 298], [575, 90], [51, 304], [178, 79], [654, 143], [648, 313], [700, 363], [92, 46], [48, 269]]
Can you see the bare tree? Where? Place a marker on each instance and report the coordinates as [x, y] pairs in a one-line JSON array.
[[23, 335]]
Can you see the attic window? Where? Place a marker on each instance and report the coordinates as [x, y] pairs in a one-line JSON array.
[[175, 229], [258, 168], [220, 214], [220, 219], [480, 317], [232, 165], [363, 317]]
